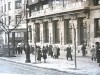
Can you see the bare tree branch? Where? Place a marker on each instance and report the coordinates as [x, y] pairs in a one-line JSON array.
[[3, 25], [17, 24]]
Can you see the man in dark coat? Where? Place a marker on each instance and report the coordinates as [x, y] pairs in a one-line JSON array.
[[83, 50], [68, 54], [58, 51], [39, 54], [18, 49], [44, 54], [98, 53]]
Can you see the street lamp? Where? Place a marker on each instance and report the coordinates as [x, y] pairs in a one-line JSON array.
[[27, 44]]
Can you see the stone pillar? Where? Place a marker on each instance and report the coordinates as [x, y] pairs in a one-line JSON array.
[[33, 32], [75, 26], [50, 24], [61, 23], [41, 33]]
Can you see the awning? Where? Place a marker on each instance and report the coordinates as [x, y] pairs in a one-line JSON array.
[[30, 2]]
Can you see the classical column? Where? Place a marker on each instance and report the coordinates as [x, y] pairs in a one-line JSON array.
[[50, 32], [61, 23], [33, 33], [41, 33], [74, 22]]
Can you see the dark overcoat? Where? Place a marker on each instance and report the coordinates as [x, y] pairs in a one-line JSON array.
[[98, 54], [68, 51], [39, 54], [44, 53]]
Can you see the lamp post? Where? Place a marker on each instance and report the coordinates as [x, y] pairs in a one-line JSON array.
[[27, 44]]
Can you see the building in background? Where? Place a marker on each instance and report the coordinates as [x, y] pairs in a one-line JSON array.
[[51, 21], [12, 17]]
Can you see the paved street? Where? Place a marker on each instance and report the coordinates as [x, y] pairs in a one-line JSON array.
[[15, 68]]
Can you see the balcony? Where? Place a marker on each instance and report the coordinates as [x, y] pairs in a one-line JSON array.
[[58, 8]]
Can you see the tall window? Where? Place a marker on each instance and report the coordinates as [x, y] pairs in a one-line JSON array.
[[96, 2], [46, 32], [18, 18], [37, 32], [30, 32], [9, 5], [97, 27], [56, 32], [5, 7], [18, 4], [82, 30], [68, 31], [9, 18]]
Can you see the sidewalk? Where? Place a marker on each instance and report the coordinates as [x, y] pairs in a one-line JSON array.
[[84, 64]]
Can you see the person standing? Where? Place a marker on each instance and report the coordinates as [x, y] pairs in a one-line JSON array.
[[98, 53], [44, 51], [83, 50], [39, 54], [68, 54], [93, 50], [18, 49], [55, 52], [58, 51]]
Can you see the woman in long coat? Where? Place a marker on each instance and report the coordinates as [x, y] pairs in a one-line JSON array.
[[39, 54], [83, 50], [98, 53], [68, 54], [44, 54], [93, 50]]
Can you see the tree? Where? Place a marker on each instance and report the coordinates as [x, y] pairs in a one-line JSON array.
[[7, 27]]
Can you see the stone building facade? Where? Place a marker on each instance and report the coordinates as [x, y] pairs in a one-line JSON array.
[[53, 22], [11, 16]]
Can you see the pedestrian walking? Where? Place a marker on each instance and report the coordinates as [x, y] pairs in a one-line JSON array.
[[39, 54], [68, 54], [55, 52], [21, 49], [18, 49], [83, 50], [47, 48], [51, 50], [44, 51], [93, 50], [98, 52]]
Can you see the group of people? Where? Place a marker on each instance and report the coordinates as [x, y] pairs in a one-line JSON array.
[[54, 52], [18, 49], [95, 51]]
